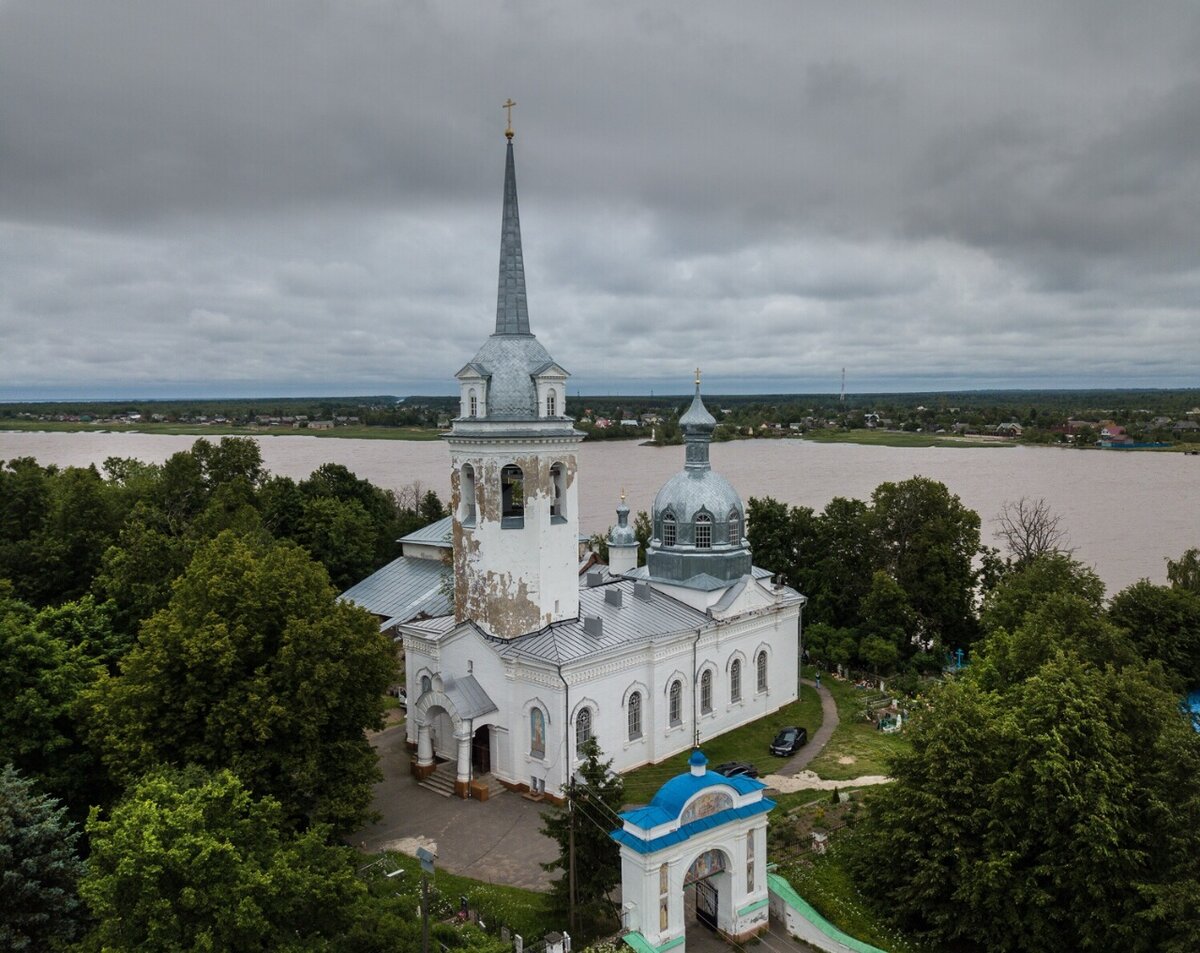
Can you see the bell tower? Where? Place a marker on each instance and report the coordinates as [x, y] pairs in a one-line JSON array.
[[513, 451]]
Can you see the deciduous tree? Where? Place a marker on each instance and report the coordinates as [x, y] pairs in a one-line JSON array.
[[256, 666], [193, 861]]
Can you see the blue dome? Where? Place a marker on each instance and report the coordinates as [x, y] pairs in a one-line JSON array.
[[697, 758]]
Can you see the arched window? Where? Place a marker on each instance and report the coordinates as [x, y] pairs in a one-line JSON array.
[[761, 664], [675, 703], [583, 727], [466, 489], [706, 692], [551, 403], [735, 680], [473, 403], [558, 490], [703, 531], [537, 733], [512, 497], [635, 716], [735, 528], [426, 684], [668, 529]]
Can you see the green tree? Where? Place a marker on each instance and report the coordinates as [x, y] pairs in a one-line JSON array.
[[843, 559], [256, 666], [1027, 586], [193, 861], [42, 679], [338, 534], [594, 796], [1164, 623], [39, 868], [888, 624], [1047, 803], [1184, 572], [928, 540]]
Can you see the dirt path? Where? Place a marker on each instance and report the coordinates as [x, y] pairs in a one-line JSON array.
[[820, 738]]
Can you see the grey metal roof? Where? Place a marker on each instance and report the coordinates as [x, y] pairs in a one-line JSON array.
[[512, 315], [511, 359], [634, 621], [435, 534], [404, 589], [470, 700], [697, 417]]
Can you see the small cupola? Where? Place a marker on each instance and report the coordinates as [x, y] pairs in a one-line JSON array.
[[698, 764]]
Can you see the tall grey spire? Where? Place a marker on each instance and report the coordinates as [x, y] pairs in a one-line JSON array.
[[512, 316]]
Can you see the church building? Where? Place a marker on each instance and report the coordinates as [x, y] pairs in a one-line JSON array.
[[525, 661]]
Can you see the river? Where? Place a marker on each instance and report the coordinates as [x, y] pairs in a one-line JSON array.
[[1126, 512]]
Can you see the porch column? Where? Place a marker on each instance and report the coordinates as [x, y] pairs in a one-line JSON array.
[[462, 778], [423, 766]]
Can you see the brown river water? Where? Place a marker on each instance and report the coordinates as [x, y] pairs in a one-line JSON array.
[[1126, 512]]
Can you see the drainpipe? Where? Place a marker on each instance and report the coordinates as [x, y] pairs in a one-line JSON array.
[[569, 766], [695, 693], [800, 650]]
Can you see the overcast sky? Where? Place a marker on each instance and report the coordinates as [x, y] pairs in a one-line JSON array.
[[236, 197]]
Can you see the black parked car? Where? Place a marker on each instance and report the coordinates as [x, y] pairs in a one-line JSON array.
[[733, 769], [789, 741]]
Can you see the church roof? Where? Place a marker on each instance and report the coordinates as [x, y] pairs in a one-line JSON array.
[[511, 358], [512, 314], [470, 700], [435, 534], [635, 620], [404, 589], [663, 821]]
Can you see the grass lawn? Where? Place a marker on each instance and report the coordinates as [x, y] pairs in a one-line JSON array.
[[526, 912], [747, 743], [827, 885], [854, 737], [219, 430], [896, 438]]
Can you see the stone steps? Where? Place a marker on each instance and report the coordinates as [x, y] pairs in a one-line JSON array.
[[442, 782]]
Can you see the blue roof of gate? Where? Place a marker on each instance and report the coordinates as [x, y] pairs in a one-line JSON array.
[[668, 804], [644, 845]]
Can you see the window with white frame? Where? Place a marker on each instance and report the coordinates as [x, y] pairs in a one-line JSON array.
[[668, 529], [473, 402], [735, 528], [583, 727], [675, 703], [635, 716], [537, 733], [703, 531], [735, 680], [706, 692], [761, 665], [551, 403]]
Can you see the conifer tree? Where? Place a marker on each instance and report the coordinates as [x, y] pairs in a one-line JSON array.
[[594, 796], [39, 868]]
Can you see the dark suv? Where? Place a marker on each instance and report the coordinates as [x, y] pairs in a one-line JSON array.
[[733, 769], [789, 741]]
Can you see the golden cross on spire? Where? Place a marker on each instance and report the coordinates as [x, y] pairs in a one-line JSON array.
[[622, 494], [508, 105], [697, 377]]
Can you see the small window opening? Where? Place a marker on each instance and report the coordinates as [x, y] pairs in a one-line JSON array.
[[551, 403], [558, 499], [512, 496], [704, 531], [466, 491]]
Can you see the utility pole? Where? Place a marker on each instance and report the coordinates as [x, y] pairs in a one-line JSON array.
[[571, 854]]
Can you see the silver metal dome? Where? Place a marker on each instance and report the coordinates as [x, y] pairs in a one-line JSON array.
[[511, 360]]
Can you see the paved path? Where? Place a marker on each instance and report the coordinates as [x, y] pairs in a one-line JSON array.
[[498, 840], [820, 738]]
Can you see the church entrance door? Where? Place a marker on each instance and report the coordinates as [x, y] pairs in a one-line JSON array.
[[481, 750]]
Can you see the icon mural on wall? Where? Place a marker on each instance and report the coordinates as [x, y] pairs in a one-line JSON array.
[[708, 803], [708, 864]]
